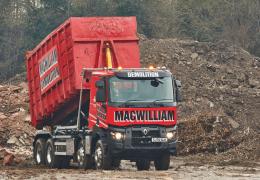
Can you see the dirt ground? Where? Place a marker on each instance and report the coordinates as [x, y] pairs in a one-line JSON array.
[[181, 168]]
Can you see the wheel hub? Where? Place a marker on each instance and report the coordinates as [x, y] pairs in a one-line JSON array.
[[38, 156], [98, 156], [49, 159], [80, 155]]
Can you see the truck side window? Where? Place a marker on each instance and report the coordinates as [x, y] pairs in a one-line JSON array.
[[101, 91]]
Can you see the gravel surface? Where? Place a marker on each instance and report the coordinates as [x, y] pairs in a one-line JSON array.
[[180, 169]]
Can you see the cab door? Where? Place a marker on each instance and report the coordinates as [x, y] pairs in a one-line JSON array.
[[98, 103]]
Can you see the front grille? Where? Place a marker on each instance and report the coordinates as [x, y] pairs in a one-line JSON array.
[[139, 133], [139, 139]]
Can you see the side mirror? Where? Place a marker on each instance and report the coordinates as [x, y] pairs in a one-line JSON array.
[[178, 91], [101, 93]]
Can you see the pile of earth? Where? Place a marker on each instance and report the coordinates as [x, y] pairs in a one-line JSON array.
[[220, 112], [16, 133]]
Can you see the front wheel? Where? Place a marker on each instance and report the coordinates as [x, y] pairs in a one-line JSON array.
[[102, 159], [143, 165], [163, 162]]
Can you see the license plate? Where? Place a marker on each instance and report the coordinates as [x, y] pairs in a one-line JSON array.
[[159, 139]]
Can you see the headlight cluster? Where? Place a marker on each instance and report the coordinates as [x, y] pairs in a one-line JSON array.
[[171, 135], [117, 135]]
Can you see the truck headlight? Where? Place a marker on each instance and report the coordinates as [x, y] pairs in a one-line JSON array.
[[170, 135], [117, 135]]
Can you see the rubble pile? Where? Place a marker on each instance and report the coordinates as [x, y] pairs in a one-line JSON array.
[[220, 112], [16, 133], [205, 133]]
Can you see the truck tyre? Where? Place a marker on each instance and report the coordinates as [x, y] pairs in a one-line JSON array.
[[39, 151], [84, 161], [115, 163], [102, 160], [51, 159], [143, 165], [163, 162]]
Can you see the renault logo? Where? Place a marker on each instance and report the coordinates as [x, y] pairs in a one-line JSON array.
[[145, 131]]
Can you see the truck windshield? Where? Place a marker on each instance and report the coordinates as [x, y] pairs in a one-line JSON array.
[[141, 90]]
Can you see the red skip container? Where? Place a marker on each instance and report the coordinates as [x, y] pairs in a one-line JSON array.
[[54, 67]]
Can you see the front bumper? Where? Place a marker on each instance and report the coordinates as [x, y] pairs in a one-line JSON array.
[[136, 144]]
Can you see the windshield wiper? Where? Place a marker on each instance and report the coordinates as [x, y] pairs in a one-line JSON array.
[[157, 100], [129, 100], [160, 102], [135, 100]]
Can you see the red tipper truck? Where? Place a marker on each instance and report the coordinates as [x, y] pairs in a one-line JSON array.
[[92, 102]]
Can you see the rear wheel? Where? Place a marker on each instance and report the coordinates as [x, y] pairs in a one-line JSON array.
[[51, 159], [39, 151], [163, 162], [84, 161], [102, 160], [143, 165]]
